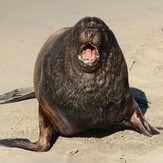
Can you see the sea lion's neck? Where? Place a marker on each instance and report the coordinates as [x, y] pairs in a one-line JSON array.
[[85, 80]]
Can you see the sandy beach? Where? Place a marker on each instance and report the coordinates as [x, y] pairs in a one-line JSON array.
[[138, 27]]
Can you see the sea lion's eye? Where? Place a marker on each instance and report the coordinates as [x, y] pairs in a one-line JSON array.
[[92, 24], [102, 26], [78, 27]]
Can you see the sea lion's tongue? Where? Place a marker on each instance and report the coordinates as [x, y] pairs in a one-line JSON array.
[[89, 53]]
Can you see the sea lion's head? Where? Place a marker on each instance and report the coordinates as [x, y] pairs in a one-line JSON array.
[[89, 34]]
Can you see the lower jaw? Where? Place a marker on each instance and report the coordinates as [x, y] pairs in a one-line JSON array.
[[88, 63], [88, 67]]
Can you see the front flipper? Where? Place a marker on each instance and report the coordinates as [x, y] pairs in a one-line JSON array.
[[138, 122], [26, 144], [46, 139]]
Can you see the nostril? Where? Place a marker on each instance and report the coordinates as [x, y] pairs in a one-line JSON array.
[[90, 33]]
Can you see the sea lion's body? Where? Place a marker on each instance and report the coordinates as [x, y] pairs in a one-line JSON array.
[[81, 82], [83, 100]]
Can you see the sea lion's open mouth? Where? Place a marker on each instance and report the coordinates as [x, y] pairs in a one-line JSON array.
[[88, 52], [89, 55]]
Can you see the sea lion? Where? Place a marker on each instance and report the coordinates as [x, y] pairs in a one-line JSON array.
[[81, 82]]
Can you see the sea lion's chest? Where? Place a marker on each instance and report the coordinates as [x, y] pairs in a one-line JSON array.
[[86, 101]]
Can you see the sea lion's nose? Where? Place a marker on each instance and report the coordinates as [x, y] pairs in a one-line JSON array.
[[90, 33]]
